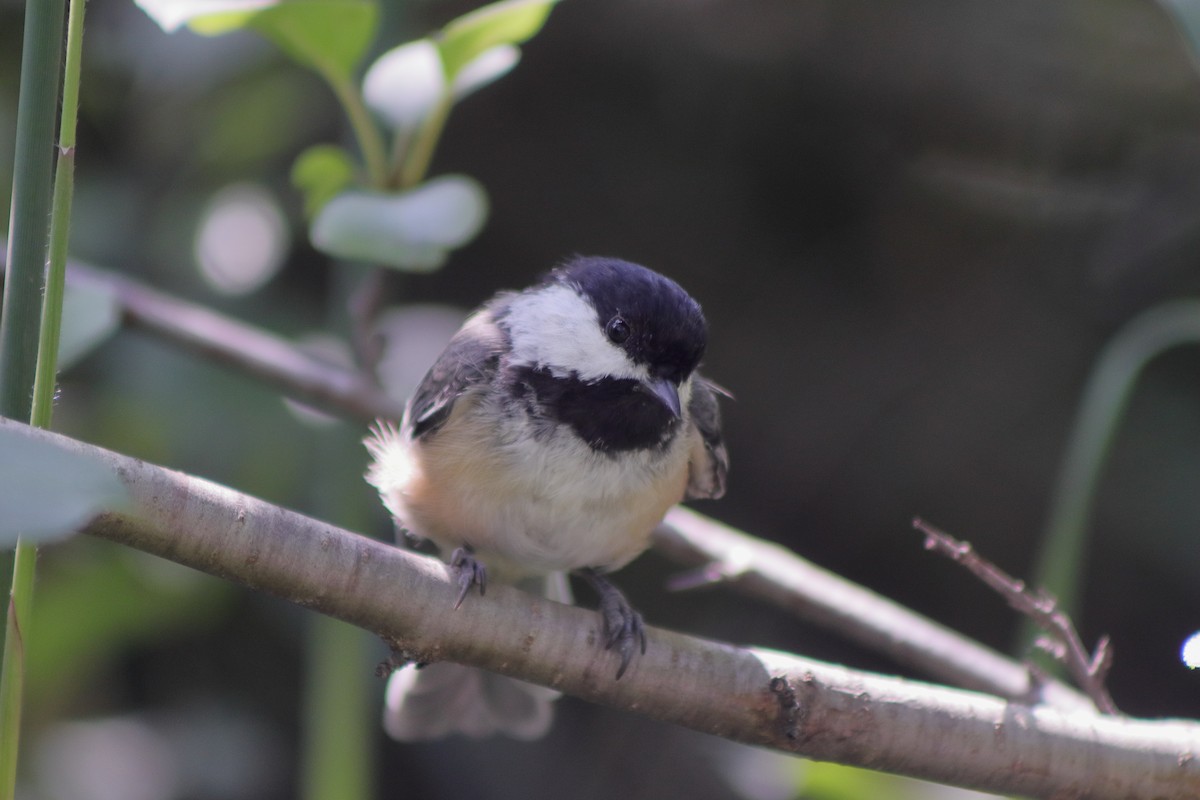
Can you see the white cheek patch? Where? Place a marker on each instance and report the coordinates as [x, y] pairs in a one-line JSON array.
[[557, 329]]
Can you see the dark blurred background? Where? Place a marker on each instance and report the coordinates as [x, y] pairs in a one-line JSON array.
[[912, 227]]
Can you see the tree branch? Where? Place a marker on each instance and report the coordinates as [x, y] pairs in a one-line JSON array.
[[760, 697], [261, 355], [779, 576], [748, 564]]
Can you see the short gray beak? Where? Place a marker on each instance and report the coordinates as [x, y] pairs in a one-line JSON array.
[[666, 393]]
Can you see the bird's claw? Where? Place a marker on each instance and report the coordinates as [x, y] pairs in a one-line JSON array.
[[623, 630], [469, 572], [622, 626]]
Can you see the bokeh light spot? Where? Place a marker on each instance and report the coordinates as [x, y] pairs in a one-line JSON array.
[[242, 239], [1190, 652]]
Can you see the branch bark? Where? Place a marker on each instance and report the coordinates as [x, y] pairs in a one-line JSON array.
[[748, 564], [760, 697], [779, 576]]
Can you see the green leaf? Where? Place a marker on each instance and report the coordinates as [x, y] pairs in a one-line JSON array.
[[507, 22], [406, 84], [320, 173], [47, 492], [91, 315], [486, 67], [411, 231], [220, 15], [329, 36]]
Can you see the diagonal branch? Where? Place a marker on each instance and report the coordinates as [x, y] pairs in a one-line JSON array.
[[748, 564], [775, 574], [264, 356], [760, 697]]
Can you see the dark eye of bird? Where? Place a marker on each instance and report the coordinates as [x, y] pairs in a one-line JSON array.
[[617, 330]]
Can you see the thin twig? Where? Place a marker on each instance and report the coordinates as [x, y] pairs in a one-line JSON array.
[[1087, 669]]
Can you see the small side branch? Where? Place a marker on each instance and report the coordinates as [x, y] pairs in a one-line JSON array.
[[1089, 670]]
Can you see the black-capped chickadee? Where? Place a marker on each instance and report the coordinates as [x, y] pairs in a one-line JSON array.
[[551, 436]]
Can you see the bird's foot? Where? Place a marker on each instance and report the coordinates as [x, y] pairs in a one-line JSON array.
[[469, 571], [622, 626]]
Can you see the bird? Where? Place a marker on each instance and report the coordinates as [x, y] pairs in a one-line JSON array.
[[551, 436]]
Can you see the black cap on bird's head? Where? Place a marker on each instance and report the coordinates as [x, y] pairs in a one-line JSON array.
[[649, 316], [606, 347]]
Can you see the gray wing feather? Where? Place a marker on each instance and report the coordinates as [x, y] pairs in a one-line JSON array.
[[469, 360], [710, 461]]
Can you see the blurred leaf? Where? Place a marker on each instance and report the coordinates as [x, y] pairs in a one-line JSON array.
[[505, 23], [49, 493], [491, 64], [411, 231], [405, 84], [825, 781], [329, 36], [408, 82], [90, 316], [320, 173], [174, 14]]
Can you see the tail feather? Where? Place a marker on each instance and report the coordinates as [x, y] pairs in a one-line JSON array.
[[441, 699]]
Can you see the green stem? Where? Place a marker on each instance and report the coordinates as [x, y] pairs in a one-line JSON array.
[[56, 278], [337, 755], [18, 619], [340, 697], [37, 108], [60, 225], [1104, 401], [12, 664], [370, 141], [339, 713], [416, 162]]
